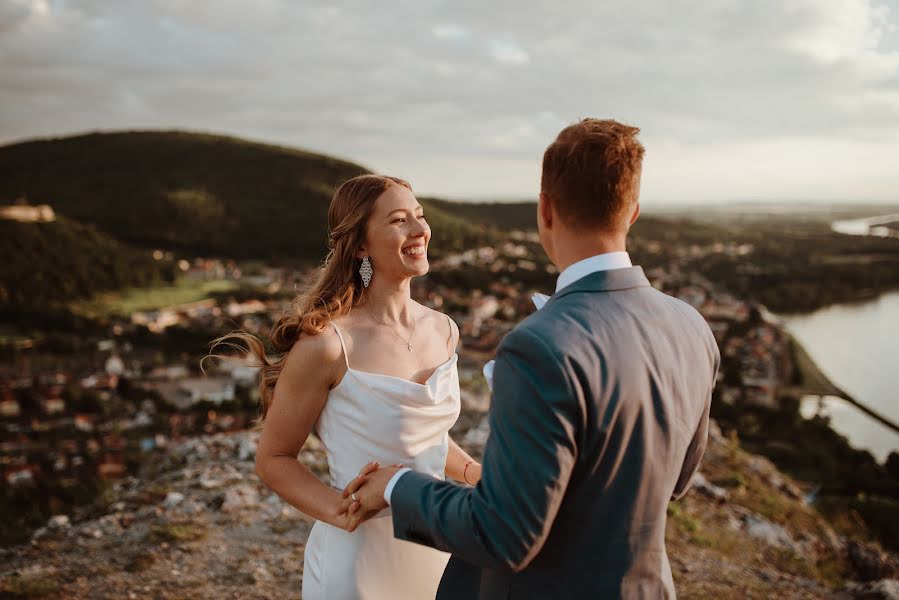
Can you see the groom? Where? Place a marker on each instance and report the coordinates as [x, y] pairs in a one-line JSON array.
[[599, 414]]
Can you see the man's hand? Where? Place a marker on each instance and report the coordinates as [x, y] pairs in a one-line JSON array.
[[363, 498]]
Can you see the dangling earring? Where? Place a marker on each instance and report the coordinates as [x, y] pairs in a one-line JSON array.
[[366, 271]]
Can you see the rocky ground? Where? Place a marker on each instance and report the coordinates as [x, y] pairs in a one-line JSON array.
[[199, 524]]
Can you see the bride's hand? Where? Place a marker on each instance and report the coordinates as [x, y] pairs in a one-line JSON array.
[[370, 500], [346, 519]]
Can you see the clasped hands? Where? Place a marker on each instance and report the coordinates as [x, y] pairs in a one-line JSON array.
[[363, 497]]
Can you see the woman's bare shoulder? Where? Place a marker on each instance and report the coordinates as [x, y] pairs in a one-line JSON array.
[[440, 321], [311, 354], [434, 314]]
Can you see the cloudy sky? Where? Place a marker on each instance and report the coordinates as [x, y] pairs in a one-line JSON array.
[[736, 99]]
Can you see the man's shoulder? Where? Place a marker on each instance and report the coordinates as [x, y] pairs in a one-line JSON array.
[[689, 312], [540, 332], [691, 318]]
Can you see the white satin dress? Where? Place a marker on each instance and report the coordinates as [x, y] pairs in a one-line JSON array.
[[370, 416]]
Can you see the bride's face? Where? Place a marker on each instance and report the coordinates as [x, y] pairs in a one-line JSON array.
[[397, 235]]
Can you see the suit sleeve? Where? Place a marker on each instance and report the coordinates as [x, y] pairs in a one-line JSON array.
[[698, 444], [503, 522]]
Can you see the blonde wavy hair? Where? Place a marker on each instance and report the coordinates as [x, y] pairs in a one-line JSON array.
[[336, 289]]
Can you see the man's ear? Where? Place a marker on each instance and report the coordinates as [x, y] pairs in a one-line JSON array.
[[545, 211], [635, 215]]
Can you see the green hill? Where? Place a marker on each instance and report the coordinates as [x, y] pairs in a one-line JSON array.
[[185, 191], [197, 193]]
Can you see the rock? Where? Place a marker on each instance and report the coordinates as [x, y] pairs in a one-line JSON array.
[[315, 460], [210, 483], [771, 533], [216, 476], [761, 465], [885, 589], [91, 532], [126, 519], [870, 563], [246, 450], [701, 484], [475, 401], [273, 506], [192, 450], [189, 507], [262, 575], [478, 435], [145, 512], [312, 444], [57, 522], [113, 524], [216, 502], [172, 499], [32, 578], [733, 522], [193, 507], [772, 477], [56, 526], [240, 496], [715, 435], [779, 483], [830, 541], [792, 490]]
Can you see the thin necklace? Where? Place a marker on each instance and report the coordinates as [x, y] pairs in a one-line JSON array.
[[407, 342]]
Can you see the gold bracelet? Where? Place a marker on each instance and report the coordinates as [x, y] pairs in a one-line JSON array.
[[465, 472]]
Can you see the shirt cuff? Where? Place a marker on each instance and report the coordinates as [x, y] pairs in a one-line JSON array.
[[390, 484]]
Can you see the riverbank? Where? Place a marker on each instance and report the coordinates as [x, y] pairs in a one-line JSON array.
[[853, 346], [849, 484], [813, 382]]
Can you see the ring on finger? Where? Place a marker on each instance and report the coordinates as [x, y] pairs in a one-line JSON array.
[[353, 496]]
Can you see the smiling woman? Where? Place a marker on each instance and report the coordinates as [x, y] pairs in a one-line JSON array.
[[394, 406]]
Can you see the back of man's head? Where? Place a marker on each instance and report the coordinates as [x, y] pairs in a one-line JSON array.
[[591, 174]]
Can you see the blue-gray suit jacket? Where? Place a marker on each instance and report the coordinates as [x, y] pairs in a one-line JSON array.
[[599, 418]]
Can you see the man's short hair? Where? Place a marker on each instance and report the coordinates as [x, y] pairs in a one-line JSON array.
[[591, 173]]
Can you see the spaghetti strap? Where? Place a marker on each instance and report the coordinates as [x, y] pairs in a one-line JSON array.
[[450, 323], [346, 358]]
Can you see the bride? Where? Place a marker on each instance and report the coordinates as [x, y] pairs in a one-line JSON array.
[[374, 373]]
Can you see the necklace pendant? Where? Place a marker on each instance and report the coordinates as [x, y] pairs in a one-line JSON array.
[[409, 346]]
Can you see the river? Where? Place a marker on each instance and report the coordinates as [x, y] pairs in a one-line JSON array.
[[857, 347]]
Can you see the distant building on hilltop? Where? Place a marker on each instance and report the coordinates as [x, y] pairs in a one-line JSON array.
[[26, 213], [10, 407]]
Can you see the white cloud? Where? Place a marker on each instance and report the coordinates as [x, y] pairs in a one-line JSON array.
[[448, 31], [462, 98], [508, 52]]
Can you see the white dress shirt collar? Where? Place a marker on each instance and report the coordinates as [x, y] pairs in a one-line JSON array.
[[599, 262]]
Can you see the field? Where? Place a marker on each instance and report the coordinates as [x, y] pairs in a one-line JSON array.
[[130, 300]]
